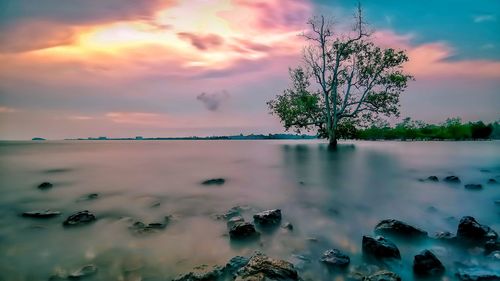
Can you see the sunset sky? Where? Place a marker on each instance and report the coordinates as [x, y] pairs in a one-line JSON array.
[[73, 68]]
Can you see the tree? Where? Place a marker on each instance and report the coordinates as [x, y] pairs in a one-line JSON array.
[[345, 80]]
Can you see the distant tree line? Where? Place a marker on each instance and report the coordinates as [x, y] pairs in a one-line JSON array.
[[408, 129]]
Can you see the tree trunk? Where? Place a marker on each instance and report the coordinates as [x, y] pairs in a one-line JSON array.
[[332, 140]]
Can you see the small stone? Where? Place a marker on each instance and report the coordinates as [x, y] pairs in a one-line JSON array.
[[216, 181], [452, 179], [41, 214], [379, 247], [288, 226], [45, 185], [492, 181], [335, 258], [268, 218], [202, 273], [80, 218], [85, 271], [427, 264], [433, 178], [243, 230], [473, 186]]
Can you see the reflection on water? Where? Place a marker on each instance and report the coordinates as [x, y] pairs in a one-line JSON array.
[[332, 199]]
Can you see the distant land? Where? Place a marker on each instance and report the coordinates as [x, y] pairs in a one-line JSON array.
[[233, 137]]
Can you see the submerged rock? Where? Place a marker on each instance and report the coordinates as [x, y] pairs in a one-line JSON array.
[[469, 230], [288, 226], [335, 258], [268, 218], [427, 264], [379, 247], [90, 196], [399, 228], [452, 179], [433, 178], [474, 186], [383, 275], [243, 230], [202, 273], [234, 220], [262, 267], [41, 214], [85, 271], [142, 228], [492, 181], [234, 264], [445, 236], [45, 185], [216, 181], [477, 274], [80, 218]]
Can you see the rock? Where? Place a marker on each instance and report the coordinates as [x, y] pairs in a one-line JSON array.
[[497, 202], [469, 230], [80, 218], [477, 274], [427, 264], [494, 256], [445, 236], [243, 230], [260, 267], [399, 228], [85, 271], [288, 226], [234, 220], [234, 264], [216, 181], [300, 262], [383, 275], [491, 246], [474, 186], [268, 218], [142, 228], [335, 258], [202, 273], [492, 181], [433, 178], [358, 272], [379, 247], [45, 185], [41, 214], [452, 179]]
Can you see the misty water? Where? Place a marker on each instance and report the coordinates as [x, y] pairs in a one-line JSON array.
[[332, 198]]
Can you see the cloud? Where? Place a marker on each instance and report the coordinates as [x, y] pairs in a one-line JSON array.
[[202, 42], [213, 101], [5, 109], [484, 18]]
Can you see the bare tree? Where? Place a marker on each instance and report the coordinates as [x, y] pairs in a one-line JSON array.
[[354, 80]]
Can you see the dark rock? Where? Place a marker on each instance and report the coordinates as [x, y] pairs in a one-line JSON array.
[[142, 228], [288, 226], [452, 179], [474, 186], [477, 274], [202, 273], [492, 181], [469, 230], [91, 196], [379, 247], [268, 218], [445, 236], [335, 258], [359, 272], [80, 218], [491, 246], [85, 271], [45, 185], [260, 267], [217, 181], [497, 202], [433, 178], [383, 275], [243, 230], [234, 220], [41, 214], [398, 228], [234, 264], [427, 264]]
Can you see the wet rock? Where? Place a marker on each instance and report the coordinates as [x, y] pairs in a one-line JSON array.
[[433, 178], [216, 181], [383, 275], [45, 185], [234, 220], [469, 230], [427, 264], [243, 230], [260, 267], [452, 179], [477, 274], [399, 228], [288, 226], [379, 247], [83, 272], [335, 258], [492, 181], [234, 264], [80, 218], [474, 186], [142, 228], [202, 273], [41, 214], [268, 218], [445, 236], [491, 246], [358, 272]]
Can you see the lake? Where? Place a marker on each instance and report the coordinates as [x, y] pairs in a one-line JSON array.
[[332, 199]]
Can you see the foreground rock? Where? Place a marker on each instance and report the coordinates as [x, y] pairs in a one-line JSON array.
[[45, 185], [469, 230], [383, 275], [427, 264], [243, 230], [335, 258], [452, 179], [474, 186], [380, 248], [85, 271], [477, 274], [268, 218], [41, 214], [203, 273], [216, 181], [399, 228], [262, 267], [80, 218]]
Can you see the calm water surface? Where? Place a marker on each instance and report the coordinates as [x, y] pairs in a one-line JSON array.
[[331, 198]]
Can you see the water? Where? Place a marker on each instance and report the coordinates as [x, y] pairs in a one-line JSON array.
[[331, 198]]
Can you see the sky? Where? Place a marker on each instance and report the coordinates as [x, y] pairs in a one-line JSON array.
[[124, 68]]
